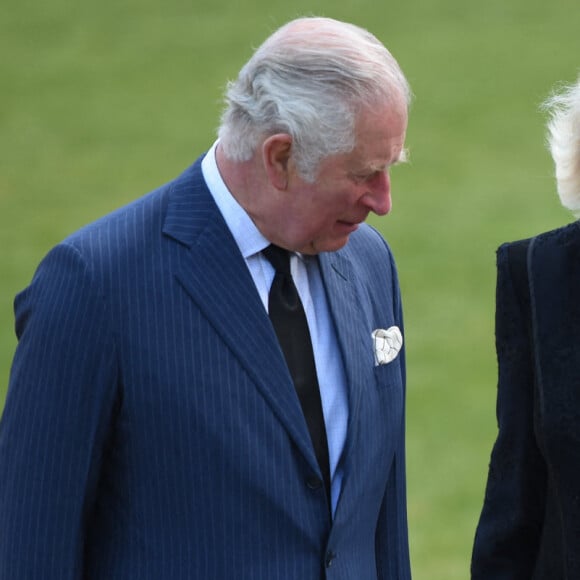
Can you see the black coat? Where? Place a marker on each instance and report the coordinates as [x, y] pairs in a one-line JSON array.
[[530, 522]]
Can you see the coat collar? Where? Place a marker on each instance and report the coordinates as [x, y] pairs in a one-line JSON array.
[[554, 267]]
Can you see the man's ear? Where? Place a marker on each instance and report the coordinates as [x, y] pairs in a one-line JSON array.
[[276, 151]]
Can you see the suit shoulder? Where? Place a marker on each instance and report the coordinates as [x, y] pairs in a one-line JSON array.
[[115, 223], [133, 224], [370, 254], [367, 241]]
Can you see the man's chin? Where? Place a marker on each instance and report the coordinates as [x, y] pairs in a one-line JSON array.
[[319, 246]]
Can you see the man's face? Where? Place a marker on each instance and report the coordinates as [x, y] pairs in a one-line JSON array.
[[320, 216]]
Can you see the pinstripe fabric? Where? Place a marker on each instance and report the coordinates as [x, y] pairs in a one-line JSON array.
[[306, 275], [151, 429]]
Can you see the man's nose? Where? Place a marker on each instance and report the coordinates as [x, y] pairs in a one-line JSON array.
[[378, 197]]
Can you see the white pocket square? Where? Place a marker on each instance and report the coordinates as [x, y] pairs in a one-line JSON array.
[[387, 344]]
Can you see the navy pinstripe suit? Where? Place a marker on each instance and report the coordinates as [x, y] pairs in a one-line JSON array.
[[152, 431]]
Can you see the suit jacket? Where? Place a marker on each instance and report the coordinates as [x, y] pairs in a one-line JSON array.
[[530, 522], [151, 428]]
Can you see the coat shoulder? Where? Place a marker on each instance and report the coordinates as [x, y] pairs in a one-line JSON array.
[[569, 233], [553, 244]]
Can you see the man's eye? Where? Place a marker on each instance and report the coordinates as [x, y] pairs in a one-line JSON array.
[[373, 175]]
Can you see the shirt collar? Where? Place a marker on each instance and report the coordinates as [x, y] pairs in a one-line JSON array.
[[248, 237]]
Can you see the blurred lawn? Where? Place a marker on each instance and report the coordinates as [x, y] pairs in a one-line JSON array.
[[102, 102]]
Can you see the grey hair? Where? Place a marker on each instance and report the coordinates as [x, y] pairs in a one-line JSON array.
[[564, 144], [308, 80]]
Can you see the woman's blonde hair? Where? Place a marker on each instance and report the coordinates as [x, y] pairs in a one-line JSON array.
[[564, 143]]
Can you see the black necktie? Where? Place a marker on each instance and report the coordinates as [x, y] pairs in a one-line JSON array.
[[289, 321]]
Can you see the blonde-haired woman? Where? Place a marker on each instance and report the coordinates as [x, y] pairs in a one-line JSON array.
[[530, 523]]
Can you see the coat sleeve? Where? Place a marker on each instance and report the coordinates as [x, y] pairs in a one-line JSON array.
[[60, 400], [508, 533]]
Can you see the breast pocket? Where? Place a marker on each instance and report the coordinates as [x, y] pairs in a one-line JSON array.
[[388, 376], [389, 396]]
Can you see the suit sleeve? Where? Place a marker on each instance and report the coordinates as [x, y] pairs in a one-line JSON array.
[[509, 528], [54, 427], [392, 544]]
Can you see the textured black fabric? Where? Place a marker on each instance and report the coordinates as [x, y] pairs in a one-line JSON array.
[[529, 527], [289, 321]]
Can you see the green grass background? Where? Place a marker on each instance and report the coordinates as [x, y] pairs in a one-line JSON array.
[[103, 101]]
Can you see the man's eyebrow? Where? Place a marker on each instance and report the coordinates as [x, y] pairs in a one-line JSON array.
[[402, 158]]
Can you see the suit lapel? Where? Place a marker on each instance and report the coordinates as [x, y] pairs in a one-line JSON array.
[[215, 276], [355, 346]]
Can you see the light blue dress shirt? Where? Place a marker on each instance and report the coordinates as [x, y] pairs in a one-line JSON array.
[[306, 274]]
